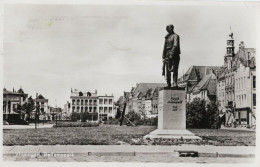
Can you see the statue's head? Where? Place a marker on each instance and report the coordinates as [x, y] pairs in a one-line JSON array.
[[169, 28]]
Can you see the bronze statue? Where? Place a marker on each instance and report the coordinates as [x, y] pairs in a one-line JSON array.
[[171, 56]]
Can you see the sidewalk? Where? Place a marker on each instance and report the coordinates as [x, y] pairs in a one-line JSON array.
[[239, 129], [234, 150], [31, 126]]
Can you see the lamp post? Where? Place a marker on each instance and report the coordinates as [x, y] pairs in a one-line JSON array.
[[56, 117]]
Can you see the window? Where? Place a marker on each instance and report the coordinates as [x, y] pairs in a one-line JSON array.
[[100, 109], [254, 99], [100, 101], [238, 83], [254, 82], [244, 82]]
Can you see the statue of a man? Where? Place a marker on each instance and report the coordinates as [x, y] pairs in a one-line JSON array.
[[171, 56]]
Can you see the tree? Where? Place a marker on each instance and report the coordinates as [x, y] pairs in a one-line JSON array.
[[28, 107], [200, 114], [18, 109], [194, 113], [37, 114], [133, 116], [212, 115], [142, 112], [118, 114]]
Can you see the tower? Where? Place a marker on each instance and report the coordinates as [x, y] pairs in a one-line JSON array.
[[230, 52]]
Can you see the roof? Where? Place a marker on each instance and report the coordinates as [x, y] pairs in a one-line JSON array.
[[5, 92], [20, 90], [40, 97], [120, 100], [192, 72], [149, 93], [212, 87], [220, 73], [200, 85], [207, 83], [243, 55], [142, 88]]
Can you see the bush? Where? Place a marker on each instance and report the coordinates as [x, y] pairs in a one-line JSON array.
[[133, 116], [76, 124], [74, 117], [137, 119], [198, 117], [113, 121]]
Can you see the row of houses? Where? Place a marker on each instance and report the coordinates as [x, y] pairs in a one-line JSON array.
[[143, 99], [12, 100], [232, 86]]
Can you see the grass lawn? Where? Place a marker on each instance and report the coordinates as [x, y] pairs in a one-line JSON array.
[[226, 137], [101, 135], [115, 134]]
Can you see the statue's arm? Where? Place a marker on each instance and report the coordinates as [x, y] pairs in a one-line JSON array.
[[175, 43], [164, 50]]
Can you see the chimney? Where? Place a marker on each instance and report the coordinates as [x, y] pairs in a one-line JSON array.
[[95, 91], [197, 75], [241, 45]]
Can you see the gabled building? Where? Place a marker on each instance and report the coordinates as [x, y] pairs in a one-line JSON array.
[[44, 107], [11, 100], [237, 100], [138, 94], [205, 89], [194, 75], [245, 87]]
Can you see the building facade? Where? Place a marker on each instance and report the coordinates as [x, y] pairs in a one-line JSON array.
[[84, 102], [44, 107], [106, 107], [138, 95], [245, 88], [98, 107], [238, 77], [205, 89], [11, 101]]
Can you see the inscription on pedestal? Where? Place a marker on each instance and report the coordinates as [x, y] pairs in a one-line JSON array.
[[172, 109], [175, 100]]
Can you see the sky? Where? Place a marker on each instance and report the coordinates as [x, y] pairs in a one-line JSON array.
[[51, 49]]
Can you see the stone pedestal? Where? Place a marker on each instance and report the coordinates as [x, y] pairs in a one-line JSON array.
[[172, 115]]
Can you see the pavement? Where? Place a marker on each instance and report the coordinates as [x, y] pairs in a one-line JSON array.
[[129, 153], [234, 150], [30, 126]]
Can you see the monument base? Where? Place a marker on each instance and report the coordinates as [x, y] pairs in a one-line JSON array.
[[171, 134]]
